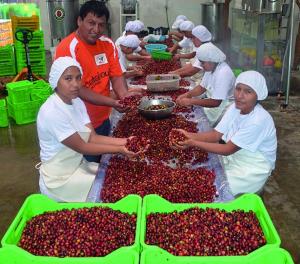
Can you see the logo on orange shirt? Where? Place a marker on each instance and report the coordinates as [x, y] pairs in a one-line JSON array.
[[100, 59]]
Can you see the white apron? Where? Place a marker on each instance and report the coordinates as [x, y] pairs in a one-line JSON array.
[[197, 77], [214, 114], [246, 171], [68, 176]]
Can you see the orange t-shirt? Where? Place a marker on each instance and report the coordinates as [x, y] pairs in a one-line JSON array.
[[99, 62]]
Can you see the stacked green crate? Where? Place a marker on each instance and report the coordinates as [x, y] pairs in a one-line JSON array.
[[7, 61], [41, 90], [20, 106], [36, 53], [38, 204], [3, 114]]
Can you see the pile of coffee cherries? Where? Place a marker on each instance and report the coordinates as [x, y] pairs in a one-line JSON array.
[[205, 232], [137, 144], [180, 185], [85, 232]]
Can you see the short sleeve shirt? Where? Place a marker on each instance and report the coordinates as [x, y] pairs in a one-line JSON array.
[[254, 131], [99, 63]]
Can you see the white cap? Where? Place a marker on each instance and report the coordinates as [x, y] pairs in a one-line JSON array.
[[135, 26], [210, 52], [182, 17], [177, 23], [186, 26], [130, 41], [256, 81], [58, 67], [202, 33]]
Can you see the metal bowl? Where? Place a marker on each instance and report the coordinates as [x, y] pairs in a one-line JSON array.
[[156, 114]]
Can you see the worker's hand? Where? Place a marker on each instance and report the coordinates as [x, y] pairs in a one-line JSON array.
[[119, 107], [188, 142], [180, 97], [184, 102], [147, 58], [177, 57], [131, 154], [138, 71]]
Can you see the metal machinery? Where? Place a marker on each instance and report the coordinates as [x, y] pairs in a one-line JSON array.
[[260, 40], [63, 17]]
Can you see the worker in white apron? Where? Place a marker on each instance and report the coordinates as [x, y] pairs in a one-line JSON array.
[[249, 152], [65, 134], [217, 84], [185, 46], [175, 33], [193, 68], [133, 28], [126, 46]]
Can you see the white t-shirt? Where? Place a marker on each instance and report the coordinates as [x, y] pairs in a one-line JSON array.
[[186, 43], [253, 132], [117, 43], [54, 125], [219, 83]]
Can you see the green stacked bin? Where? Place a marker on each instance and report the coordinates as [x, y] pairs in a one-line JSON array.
[[156, 204], [7, 61], [3, 114], [37, 204], [266, 255], [36, 53], [25, 98]]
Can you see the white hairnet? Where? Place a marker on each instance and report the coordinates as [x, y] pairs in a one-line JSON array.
[[210, 52], [177, 23], [256, 81], [130, 41], [135, 26], [202, 33], [58, 67], [186, 26], [182, 17]]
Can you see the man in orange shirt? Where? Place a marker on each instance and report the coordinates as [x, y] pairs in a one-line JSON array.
[[98, 58]]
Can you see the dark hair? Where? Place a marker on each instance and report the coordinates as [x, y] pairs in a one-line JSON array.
[[95, 7]]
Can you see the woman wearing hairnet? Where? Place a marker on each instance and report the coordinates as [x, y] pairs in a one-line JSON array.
[[249, 152], [217, 84], [186, 44], [133, 28], [200, 35], [127, 45], [65, 134], [175, 33]]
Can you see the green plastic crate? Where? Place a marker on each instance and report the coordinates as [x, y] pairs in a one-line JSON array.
[[161, 55], [37, 204], [7, 68], [155, 204], [7, 54], [11, 255], [3, 114], [24, 113], [37, 67], [266, 255], [40, 91], [37, 40], [34, 55], [19, 92]]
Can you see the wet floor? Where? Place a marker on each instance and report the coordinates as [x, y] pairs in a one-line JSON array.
[[19, 154]]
